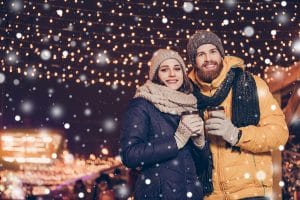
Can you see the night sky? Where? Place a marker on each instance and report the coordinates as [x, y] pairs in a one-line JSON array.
[[74, 65]]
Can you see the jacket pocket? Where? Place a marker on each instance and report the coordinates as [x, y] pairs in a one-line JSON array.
[[237, 178]]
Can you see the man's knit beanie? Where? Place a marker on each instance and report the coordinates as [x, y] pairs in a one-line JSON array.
[[203, 37], [160, 56]]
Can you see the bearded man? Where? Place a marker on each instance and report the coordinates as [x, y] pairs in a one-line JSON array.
[[241, 138]]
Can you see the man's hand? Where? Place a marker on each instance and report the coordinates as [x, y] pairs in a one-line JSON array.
[[217, 124]]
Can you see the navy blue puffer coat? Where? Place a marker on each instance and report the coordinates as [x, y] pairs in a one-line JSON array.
[[148, 143]]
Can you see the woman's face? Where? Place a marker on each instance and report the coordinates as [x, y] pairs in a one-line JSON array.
[[170, 73]]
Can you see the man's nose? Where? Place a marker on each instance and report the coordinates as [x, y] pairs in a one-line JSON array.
[[207, 57]]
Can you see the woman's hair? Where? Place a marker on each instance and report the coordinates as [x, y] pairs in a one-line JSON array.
[[186, 86]]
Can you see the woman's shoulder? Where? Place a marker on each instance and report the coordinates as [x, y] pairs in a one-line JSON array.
[[140, 102]]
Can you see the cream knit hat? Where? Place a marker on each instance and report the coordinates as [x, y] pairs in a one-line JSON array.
[[161, 55]]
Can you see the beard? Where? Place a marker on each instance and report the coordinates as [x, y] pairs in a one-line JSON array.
[[209, 76]]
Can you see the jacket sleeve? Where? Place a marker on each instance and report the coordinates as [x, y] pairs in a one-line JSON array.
[[137, 150], [271, 131]]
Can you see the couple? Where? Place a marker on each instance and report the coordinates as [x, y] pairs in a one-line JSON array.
[[232, 160]]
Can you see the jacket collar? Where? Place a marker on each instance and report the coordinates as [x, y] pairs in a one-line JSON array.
[[228, 63]]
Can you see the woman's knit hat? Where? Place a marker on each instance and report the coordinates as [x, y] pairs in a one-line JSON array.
[[160, 56], [203, 37]]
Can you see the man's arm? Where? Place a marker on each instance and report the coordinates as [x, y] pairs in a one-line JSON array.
[[271, 131]]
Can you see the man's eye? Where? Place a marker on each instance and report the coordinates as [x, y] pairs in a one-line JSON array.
[[178, 68], [163, 70]]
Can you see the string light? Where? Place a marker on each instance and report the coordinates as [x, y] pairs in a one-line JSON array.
[[70, 38]]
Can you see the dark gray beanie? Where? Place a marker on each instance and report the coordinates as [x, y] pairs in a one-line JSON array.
[[203, 37]]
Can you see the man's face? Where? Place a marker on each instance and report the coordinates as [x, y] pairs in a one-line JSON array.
[[209, 62]]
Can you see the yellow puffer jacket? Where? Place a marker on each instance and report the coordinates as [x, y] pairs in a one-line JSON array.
[[249, 173]]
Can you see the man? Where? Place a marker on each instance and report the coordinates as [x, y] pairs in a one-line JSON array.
[[241, 139]]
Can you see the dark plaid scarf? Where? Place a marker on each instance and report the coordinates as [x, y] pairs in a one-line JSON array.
[[245, 110]]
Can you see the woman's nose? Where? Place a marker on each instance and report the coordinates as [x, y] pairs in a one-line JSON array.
[[172, 72]]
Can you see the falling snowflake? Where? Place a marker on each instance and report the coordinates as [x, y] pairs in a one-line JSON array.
[[225, 22], [296, 46], [59, 12], [56, 111], [189, 195], [17, 118], [122, 191], [281, 147], [101, 58], [27, 107], [188, 7], [87, 112], [281, 183], [147, 181], [16, 6], [251, 50], [283, 3], [16, 82], [282, 18], [273, 32], [12, 58], [2, 78], [109, 125], [164, 20], [19, 35], [249, 31], [45, 54], [261, 175], [230, 3], [67, 125]]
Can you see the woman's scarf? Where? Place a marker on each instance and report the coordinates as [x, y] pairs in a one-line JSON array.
[[167, 100]]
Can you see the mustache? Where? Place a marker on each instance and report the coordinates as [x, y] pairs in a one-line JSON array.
[[209, 63]]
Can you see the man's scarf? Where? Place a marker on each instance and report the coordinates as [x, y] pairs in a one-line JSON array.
[[245, 109]]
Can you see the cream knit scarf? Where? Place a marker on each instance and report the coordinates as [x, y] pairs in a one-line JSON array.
[[166, 99]]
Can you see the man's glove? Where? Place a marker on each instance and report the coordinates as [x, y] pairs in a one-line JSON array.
[[217, 124], [188, 125]]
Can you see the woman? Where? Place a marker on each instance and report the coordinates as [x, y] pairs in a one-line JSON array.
[[156, 140]]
